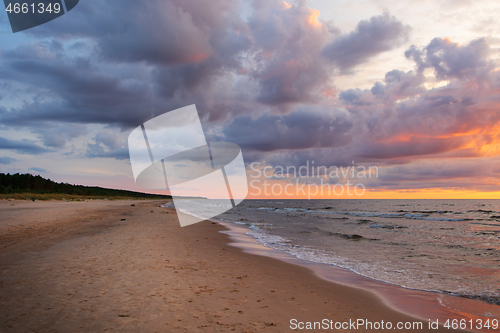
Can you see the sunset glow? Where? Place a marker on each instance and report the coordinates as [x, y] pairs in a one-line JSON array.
[[313, 18]]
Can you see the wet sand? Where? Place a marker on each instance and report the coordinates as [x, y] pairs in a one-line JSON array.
[[107, 266]]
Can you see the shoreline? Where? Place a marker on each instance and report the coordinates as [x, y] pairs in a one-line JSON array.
[[110, 266], [422, 304]]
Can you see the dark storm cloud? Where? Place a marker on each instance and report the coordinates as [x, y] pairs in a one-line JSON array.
[[186, 78], [84, 93], [157, 31], [22, 147], [325, 156], [275, 55], [450, 60], [371, 37], [147, 58], [168, 32], [287, 47], [297, 130], [94, 18], [291, 81], [169, 36]]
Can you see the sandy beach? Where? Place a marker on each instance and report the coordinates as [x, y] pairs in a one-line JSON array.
[[108, 266]]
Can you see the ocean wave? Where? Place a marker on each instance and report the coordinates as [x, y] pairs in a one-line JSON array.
[[481, 211], [427, 211], [424, 215]]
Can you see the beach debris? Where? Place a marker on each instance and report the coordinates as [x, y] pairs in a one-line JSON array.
[[122, 220], [132, 205], [354, 237]]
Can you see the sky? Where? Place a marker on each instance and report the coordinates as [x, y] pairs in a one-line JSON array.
[[411, 88]]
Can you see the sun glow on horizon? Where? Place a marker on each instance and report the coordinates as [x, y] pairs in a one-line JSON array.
[[406, 194]]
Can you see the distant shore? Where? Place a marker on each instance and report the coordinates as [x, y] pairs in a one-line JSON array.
[[108, 266]]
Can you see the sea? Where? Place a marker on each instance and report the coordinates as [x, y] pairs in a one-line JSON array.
[[446, 246], [429, 258]]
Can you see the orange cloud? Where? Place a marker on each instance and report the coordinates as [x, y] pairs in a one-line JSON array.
[[313, 18]]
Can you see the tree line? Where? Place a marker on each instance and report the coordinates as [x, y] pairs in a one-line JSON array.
[[27, 183]]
